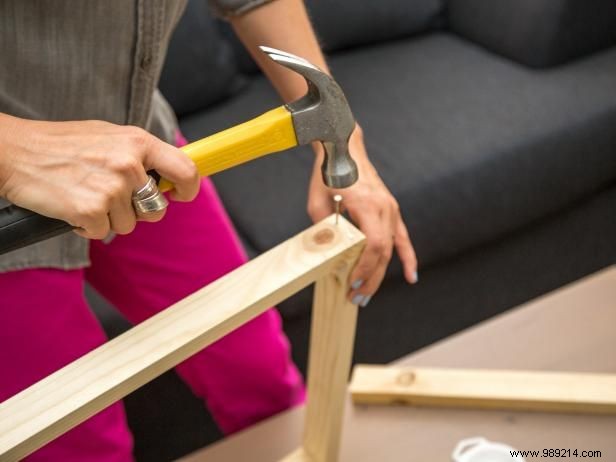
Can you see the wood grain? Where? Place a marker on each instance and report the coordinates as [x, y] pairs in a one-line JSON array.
[[491, 389], [331, 347], [299, 455], [62, 400]]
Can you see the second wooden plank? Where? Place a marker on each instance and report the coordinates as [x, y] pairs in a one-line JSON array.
[[491, 389]]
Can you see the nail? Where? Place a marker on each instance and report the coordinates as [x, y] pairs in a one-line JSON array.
[[357, 299], [357, 284], [365, 301], [337, 200], [415, 277]]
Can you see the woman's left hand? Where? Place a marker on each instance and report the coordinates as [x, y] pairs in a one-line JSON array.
[[371, 205]]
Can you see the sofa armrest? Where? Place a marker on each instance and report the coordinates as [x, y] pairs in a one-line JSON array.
[[537, 33]]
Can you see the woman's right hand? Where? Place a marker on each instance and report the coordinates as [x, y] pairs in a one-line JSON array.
[[85, 172]]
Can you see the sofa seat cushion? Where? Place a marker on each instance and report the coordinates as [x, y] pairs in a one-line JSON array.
[[473, 146]]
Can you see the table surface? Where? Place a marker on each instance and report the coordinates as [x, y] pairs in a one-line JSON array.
[[571, 329]]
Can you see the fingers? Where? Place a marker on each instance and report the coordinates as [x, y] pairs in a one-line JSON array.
[[112, 209], [405, 251], [319, 199], [174, 165], [384, 228], [85, 172], [369, 272], [153, 216], [152, 153], [364, 293], [319, 209], [96, 225], [122, 216]]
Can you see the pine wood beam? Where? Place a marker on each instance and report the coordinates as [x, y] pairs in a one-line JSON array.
[[69, 396]]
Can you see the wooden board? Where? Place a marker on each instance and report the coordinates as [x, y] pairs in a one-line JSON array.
[[492, 389], [571, 329], [332, 337], [62, 400], [299, 455]]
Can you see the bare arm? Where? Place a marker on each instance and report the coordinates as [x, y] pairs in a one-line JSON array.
[[284, 24], [292, 32]]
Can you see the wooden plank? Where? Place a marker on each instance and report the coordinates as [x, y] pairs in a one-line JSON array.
[[62, 400], [536, 336], [331, 347], [299, 455], [490, 389]]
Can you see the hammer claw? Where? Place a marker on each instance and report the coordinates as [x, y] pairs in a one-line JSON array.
[[322, 114], [275, 53]]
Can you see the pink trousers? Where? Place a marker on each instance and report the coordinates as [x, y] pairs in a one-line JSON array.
[[45, 324]]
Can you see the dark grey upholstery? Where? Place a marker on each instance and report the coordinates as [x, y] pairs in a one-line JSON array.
[[537, 33], [453, 131], [200, 67]]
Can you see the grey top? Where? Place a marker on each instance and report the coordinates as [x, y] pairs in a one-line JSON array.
[[76, 60]]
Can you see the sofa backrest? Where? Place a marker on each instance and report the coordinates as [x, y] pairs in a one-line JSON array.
[[201, 67], [205, 59], [343, 24], [537, 33]]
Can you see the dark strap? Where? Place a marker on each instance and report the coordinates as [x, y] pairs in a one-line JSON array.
[[20, 227]]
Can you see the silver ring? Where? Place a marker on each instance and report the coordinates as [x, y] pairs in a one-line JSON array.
[[148, 198], [147, 190]]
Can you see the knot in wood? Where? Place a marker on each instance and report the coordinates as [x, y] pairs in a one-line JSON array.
[[405, 379], [325, 236]]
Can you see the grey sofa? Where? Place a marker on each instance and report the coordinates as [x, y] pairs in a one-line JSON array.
[[492, 121]]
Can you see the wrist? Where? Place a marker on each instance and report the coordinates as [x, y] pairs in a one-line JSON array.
[[9, 128], [356, 140]]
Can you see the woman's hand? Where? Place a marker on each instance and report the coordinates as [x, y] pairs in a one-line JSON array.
[[86, 172], [376, 211]]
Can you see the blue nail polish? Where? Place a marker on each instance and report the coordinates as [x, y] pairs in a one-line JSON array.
[[357, 299], [415, 277], [365, 301], [357, 284]]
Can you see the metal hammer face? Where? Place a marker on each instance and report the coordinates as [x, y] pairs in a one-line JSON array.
[[324, 115]]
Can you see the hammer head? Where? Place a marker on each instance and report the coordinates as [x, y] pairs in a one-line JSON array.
[[322, 114]]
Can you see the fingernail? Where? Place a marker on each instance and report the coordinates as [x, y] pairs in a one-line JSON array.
[[109, 237], [415, 277], [365, 301], [357, 284], [357, 299]]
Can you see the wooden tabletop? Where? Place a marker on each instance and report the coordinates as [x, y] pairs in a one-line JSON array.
[[572, 329]]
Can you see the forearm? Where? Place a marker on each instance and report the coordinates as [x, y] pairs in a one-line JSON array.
[[284, 24], [292, 33]]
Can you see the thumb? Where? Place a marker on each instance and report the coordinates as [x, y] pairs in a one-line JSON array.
[[319, 206]]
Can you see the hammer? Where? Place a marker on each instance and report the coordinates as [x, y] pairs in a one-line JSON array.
[[322, 114]]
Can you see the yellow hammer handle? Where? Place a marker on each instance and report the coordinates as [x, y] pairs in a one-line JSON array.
[[270, 132]]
